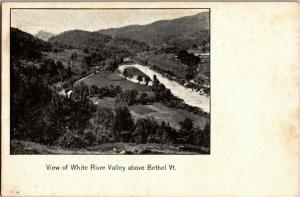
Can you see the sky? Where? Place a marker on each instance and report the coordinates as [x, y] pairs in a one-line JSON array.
[[60, 20]]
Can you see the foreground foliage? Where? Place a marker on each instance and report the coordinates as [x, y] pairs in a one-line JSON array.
[[40, 114]]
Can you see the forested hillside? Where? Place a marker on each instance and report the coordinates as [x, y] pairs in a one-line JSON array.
[[25, 46], [184, 31], [81, 39]]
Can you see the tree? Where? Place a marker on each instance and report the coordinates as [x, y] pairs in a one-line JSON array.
[[147, 80], [145, 127], [111, 64], [168, 94], [205, 138], [81, 91], [143, 98], [94, 90], [155, 81], [125, 73], [129, 96], [139, 78], [86, 51], [73, 56], [200, 137], [59, 65], [88, 60], [186, 124], [123, 121], [105, 117], [155, 78]]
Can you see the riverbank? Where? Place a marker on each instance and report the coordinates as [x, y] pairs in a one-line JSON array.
[[189, 96]]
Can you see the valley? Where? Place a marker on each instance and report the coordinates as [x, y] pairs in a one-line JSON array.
[[107, 92]]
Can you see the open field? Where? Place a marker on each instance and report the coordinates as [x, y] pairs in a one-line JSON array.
[[158, 111], [65, 55], [111, 78], [166, 62], [109, 102], [173, 116]]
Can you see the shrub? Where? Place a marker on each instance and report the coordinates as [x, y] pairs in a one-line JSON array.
[[72, 140], [103, 117], [94, 90], [186, 124], [81, 91], [123, 121], [139, 78], [129, 96], [145, 127], [200, 137], [111, 91], [86, 51]]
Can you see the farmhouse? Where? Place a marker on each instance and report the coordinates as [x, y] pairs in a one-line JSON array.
[[66, 93], [204, 57], [128, 60]]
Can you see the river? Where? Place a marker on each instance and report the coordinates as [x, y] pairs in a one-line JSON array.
[[189, 96]]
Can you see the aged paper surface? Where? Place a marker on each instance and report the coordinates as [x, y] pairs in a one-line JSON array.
[[254, 117]]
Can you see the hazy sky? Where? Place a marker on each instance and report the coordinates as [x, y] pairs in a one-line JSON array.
[[59, 20]]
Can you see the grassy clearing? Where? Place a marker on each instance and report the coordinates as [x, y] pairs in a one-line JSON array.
[[65, 57], [111, 78], [167, 62], [173, 116], [158, 111], [105, 102]]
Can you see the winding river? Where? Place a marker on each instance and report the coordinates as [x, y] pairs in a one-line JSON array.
[[189, 96]]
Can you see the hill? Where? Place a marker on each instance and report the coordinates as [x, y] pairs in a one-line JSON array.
[[80, 39], [43, 35], [26, 46], [128, 44], [85, 39], [186, 30]]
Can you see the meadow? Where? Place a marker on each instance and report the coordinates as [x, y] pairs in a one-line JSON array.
[[156, 110], [108, 78], [167, 62]]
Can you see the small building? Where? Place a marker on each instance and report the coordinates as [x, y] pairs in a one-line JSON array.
[[127, 59], [204, 57], [66, 93], [195, 52]]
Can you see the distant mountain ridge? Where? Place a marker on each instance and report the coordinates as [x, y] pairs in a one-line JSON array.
[[80, 39], [195, 28], [85, 39], [183, 32], [44, 35]]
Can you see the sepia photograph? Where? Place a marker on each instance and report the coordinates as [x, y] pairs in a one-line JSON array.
[[110, 81], [150, 99]]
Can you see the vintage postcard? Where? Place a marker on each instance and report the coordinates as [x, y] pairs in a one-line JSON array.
[[150, 99], [104, 81]]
